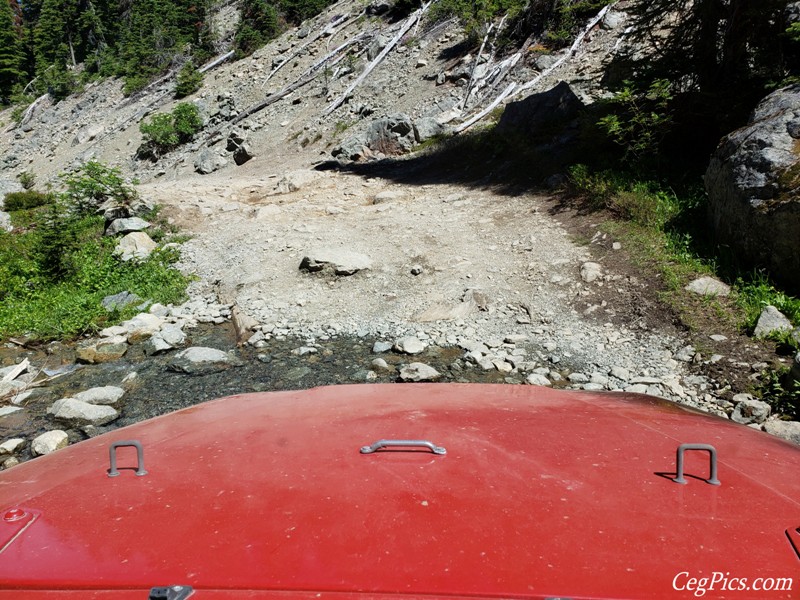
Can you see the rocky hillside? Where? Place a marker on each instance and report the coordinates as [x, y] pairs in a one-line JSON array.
[[316, 77], [419, 263]]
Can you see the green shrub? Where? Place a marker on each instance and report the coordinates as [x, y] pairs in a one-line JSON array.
[[646, 203], [257, 26], [476, 15], [187, 121], [26, 200], [189, 80], [639, 120], [27, 179], [164, 132], [756, 291], [55, 273], [93, 184], [160, 132], [134, 83]]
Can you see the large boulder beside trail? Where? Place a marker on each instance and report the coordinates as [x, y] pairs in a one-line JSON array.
[[753, 182], [541, 113], [389, 136]]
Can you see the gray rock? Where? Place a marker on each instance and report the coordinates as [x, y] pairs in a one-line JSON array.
[[380, 347], [788, 430], [341, 261], [419, 372], [381, 364], [577, 378], [708, 286], [120, 301], [638, 388], [11, 387], [11, 446], [540, 112], [102, 350], [771, 321], [294, 181], [172, 334], [108, 394], [8, 410], [537, 379], [135, 245], [685, 354], [209, 161], [78, 413], [126, 225], [751, 411], [502, 365], [199, 360], [142, 327], [613, 19], [390, 135], [752, 183], [48, 442], [243, 153], [620, 373], [591, 271], [156, 345], [5, 222], [427, 128], [87, 133], [410, 345], [10, 462], [593, 387]]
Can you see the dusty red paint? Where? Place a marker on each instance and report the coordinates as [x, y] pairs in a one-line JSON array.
[[542, 493]]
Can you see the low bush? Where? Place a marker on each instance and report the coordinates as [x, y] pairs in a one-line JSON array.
[[27, 180], [639, 120], [26, 200], [165, 132], [55, 272], [188, 81], [95, 183]]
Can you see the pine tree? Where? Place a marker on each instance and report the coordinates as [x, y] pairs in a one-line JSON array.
[[11, 52]]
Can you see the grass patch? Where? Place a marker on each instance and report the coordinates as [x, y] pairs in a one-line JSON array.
[[56, 267]]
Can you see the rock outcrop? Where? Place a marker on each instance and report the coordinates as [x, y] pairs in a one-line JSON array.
[[752, 184]]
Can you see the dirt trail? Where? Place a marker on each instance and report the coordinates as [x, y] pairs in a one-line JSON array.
[[429, 245]]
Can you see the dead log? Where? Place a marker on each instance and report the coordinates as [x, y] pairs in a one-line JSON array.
[[30, 109], [470, 122], [17, 371], [416, 15], [216, 61], [273, 98], [575, 45], [514, 90], [327, 30]]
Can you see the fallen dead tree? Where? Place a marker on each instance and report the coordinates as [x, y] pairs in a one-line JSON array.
[[515, 89], [329, 60], [339, 22], [410, 22]]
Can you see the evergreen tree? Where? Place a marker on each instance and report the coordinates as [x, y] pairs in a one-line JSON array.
[[11, 54], [148, 42], [57, 34], [258, 25]]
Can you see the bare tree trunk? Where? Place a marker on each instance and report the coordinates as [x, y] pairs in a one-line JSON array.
[[378, 59]]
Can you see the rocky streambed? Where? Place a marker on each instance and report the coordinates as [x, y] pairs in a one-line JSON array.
[[171, 358]]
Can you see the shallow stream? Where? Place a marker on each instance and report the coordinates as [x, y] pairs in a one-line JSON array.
[[154, 390]]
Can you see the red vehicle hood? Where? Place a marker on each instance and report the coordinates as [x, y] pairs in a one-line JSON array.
[[541, 493]]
